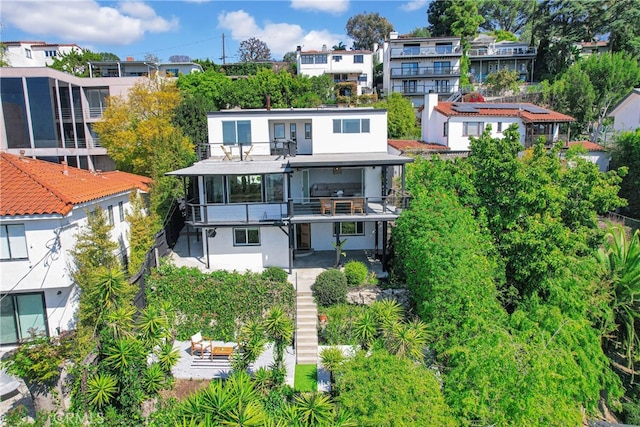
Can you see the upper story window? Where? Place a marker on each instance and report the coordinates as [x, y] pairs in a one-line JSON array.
[[306, 59], [472, 128], [321, 59], [110, 214], [337, 58], [172, 71], [358, 59], [499, 126], [362, 78], [50, 53], [121, 211], [27, 52], [236, 132], [13, 242], [245, 188], [445, 129], [350, 125], [444, 48], [411, 49]]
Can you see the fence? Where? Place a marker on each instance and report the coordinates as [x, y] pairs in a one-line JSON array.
[[165, 239], [632, 223]]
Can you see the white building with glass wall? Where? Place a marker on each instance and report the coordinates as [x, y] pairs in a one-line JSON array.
[[283, 182], [35, 53], [44, 206]]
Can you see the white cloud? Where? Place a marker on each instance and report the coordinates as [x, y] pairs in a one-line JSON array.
[[85, 21], [335, 7], [414, 5], [280, 37]]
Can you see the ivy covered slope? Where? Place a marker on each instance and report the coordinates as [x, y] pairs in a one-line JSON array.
[[498, 251], [216, 303]]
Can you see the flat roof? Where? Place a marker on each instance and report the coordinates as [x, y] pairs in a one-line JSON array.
[[298, 111]]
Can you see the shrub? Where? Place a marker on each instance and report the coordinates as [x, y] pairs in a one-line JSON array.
[[340, 329], [330, 288], [356, 273], [276, 274], [38, 361]]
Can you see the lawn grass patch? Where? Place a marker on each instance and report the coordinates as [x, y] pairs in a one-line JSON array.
[[306, 378]]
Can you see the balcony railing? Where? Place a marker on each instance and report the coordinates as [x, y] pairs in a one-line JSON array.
[[66, 113], [421, 89], [403, 52], [277, 213], [95, 112], [424, 72], [503, 51]]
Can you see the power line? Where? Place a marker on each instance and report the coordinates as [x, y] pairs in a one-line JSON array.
[[176, 46]]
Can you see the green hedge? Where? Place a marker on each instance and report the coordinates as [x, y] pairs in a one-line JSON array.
[[217, 303]]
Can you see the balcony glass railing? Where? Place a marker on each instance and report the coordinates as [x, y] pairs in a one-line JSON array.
[[424, 71], [425, 51], [503, 51], [421, 89]]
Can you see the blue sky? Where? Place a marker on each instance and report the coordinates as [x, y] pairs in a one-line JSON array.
[[195, 27]]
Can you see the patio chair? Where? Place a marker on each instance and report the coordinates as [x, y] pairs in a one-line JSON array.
[[247, 154], [227, 153], [200, 343], [357, 205], [326, 205]]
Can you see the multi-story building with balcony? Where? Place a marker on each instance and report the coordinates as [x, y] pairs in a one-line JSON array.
[[342, 65], [415, 66], [132, 68], [35, 53], [487, 56], [49, 115], [279, 182]]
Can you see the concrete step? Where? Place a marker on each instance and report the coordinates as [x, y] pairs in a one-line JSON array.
[[309, 311], [305, 294], [307, 306], [308, 343]]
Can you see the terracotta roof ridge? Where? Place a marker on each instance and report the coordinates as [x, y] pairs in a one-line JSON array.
[[63, 198]]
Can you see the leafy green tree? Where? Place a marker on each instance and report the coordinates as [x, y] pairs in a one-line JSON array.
[[75, 62], [381, 389], [503, 80], [141, 232], [401, 117], [439, 21], [254, 50], [626, 153], [108, 56], [623, 23], [420, 32], [209, 86], [290, 57], [506, 15], [366, 29], [4, 60]]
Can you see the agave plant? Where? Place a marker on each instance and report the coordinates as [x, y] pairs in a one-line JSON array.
[[123, 354], [262, 380], [387, 312], [168, 356], [101, 388], [120, 321], [366, 329], [314, 409], [153, 325], [331, 358], [153, 379]]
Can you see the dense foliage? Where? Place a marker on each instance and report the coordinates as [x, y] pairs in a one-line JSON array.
[[356, 273], [401, 117], [626, 153], [366, 29], [215, 303], [330, 288]]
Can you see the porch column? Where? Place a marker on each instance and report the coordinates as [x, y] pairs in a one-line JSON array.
[[384, 245], [205, 244], [384, 188], [290, 247], [186, 208], [377, 238]]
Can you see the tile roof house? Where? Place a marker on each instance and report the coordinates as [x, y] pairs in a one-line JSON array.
[[626, 115], [42, 207], [452, 123]]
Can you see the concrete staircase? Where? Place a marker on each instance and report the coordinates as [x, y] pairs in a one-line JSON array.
[[306, 329]]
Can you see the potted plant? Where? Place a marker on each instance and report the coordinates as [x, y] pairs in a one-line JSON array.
[[322, 318]]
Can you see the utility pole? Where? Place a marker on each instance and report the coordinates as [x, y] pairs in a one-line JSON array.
[[224, 57]]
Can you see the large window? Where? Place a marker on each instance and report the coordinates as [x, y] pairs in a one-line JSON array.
[[13, 243], [444, 48], [410, 69], [22, 316], [358, 59], [321, 59], [349, 228], [350, 125], [249, 236], [245, 188], [443, 67], [274, 188], [306, 59], [278, 130], [214, 189], [236, 132], [472, 128], [292, 131], [409, 86]]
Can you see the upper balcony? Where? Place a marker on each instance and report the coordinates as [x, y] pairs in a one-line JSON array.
[[502, 52], [418, 88], [425, 52], [400, 73]]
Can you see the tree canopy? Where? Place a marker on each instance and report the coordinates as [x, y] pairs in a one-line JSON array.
[[254, 50], [366, 29], [401, 117], [506, 15], [75, 62], [626, 153]]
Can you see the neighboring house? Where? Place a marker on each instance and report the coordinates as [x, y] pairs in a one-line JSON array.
[[585, 49], [312, 177], [43, 206], [487, 56], [35, 53], [626, 115], [48, 114], [131, 68], [595, 153], [342, 65], [452, 123], [416, 66]]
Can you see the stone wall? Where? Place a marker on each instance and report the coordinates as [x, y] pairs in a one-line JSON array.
[[367, 295]]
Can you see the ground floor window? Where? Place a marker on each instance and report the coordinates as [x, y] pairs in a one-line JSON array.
[[249, 236], [349, 228], [21, 317]]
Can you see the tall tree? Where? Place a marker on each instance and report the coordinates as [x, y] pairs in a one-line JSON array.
[[506, 15], [420, 32], [339, 46], [75, 62], [254, 50], [401, 117], [366, 29], [439, 21], [626, 153], [623, 25]]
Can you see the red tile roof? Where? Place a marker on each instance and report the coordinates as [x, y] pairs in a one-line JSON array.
[[33, 187], [517, 111], [588, 145], [410, 144]]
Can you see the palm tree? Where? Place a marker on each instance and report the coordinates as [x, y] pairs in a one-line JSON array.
[[314, 409], [619, 257], [153, 326], [339, 46], [278, 327], [331, 358], [251, 341]]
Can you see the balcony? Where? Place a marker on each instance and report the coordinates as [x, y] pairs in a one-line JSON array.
[[67, 114], [503, 52], [421, 89], [398, 73], [419, 52]]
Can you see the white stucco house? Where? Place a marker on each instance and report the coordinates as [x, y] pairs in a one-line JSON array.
[[452, 123], [342, 65], [285, 182], [35, 53], [43, 206], [626, 115]]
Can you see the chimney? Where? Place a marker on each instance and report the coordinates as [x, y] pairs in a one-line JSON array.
[[65, 169], [324, 47], [298, 48], [429, 129], [129, 58], [268, 102], [393, 35], [22, 153]]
